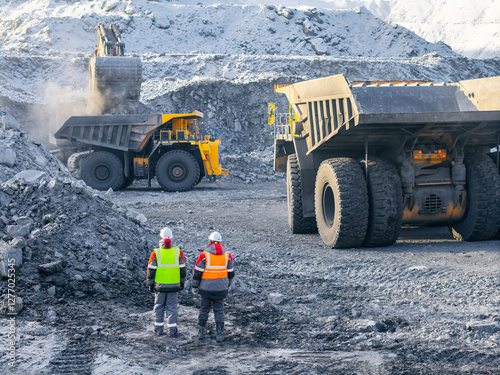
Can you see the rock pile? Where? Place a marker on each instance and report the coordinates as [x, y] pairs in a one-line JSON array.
[[67, 240], [18, 154]]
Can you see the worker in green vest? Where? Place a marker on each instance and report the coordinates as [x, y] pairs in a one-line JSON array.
[[166, 276]]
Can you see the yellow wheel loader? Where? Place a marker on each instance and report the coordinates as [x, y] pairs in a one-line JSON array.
[[174, 148]]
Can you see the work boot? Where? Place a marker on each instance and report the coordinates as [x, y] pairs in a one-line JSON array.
[[219, 331], [201, 329], [172, 332], [158, 330]]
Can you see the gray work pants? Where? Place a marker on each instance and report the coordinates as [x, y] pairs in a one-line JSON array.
[[206, 306], [168, 300]]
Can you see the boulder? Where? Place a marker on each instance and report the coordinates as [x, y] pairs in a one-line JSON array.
[[319, 46], [4, 199], [11, 306], [98, 289], [483, 326], [366, 325], [59, 280], [230, 75], [22, 228], [239, 286], [109, 194], [18, 230], [141, 219], [275, 298], [8, 157], [51, 268], [8, 122], [51, 291], [18, 243], [9, 255], [30, 175]]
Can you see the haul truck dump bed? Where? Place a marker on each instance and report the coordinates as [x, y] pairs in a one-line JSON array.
[[363, 158], [120, 149]]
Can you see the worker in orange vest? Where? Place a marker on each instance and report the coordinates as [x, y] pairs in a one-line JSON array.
[[212, 276]]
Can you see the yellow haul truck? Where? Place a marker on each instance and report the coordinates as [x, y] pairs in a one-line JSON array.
[[120, 149], [363, 158]]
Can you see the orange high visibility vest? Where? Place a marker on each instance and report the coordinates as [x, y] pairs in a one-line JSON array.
[[215, 266]]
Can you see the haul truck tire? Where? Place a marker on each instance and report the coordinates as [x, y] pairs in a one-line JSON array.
[[493, 156], [128, 181], [201, 177], [482, 215], [177, 170], [341, 203], [102, 170], [296, 220], [75, 162], [385, 199]]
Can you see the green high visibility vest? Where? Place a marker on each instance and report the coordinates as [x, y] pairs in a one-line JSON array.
[[167, 271]]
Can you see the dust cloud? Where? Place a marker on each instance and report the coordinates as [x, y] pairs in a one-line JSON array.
[[59, 103]]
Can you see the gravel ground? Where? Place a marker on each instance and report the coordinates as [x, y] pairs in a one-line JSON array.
[[426, 305]]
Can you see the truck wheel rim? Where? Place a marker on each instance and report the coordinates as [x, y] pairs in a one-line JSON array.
[[328, 205], [177, 172], [102, 173]]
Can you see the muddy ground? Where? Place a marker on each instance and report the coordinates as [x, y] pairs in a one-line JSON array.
[[427, 305]]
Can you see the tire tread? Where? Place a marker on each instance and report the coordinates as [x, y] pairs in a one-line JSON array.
[[353, 202], [385, 197], [296, 220], [482, 217]]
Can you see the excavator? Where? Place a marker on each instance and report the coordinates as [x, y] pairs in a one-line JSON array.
[[114, 78]]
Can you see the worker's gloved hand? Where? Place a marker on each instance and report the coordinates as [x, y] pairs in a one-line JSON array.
[[151, 288], [196, 290], [182, 286]]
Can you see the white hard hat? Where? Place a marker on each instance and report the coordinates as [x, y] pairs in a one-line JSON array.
[[166, 233], [215, 237]]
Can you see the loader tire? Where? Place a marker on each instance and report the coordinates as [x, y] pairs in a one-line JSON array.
[[482, 211], [296, 220], [177, 170], [385, 200], [341, 203], [103, 170]]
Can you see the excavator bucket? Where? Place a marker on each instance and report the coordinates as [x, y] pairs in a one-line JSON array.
[[113, 77]]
